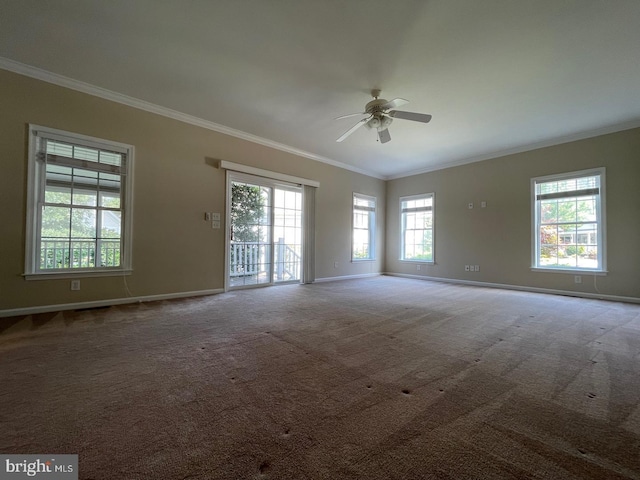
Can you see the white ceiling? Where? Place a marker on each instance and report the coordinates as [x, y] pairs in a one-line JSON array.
[[498, 76]]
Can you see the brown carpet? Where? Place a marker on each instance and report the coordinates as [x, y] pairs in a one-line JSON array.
[[377, 378]]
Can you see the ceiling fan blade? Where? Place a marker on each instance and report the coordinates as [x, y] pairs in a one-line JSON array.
[[350, 115], [416, 117], [352, 129], [384, 135], [395, 103]]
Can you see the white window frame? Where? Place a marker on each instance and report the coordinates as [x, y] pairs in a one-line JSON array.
[[402, 217], [600, 222], [371, 225], [35, 197]]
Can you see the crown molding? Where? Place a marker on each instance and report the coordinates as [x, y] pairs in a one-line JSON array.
[[619, 127], [89, 89]]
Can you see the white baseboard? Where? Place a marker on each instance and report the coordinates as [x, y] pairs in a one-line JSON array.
[[15, 312], [566, 293], [169, 296], [346, 277]]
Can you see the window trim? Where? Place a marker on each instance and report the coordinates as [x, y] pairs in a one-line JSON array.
[[600, 215], [402, 199], [35, 183], [373, 223]]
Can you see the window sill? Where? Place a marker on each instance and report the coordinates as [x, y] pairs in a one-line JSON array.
[[81, 273], [360, 260], [424, 262], [572, 271]]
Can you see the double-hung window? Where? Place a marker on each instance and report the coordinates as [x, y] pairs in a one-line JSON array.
[[416, 223], [569, 222], [79, 205], [364, 227]]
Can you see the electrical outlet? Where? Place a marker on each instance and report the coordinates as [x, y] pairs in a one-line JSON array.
[[483, 204], [417, 267], [75, 284], [476, 268], [577, 279], [467, 268], [215, 217]]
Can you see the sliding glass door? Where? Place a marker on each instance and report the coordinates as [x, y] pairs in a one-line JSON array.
[[265, 232]]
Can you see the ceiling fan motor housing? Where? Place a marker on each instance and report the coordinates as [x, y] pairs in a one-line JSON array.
[[375, 106]]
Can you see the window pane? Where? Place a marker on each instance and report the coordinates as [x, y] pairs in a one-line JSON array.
[[427, 220], [83, 253], [111, 223], [56, 222], [549, 211], [410, 221], [548, 255], [84, 153], [110, 253], [83, 223], [55, 194], [111, 158], [59, 172], [567, 210], [109, 182], [85, 197], [110, 200], [59, 148], [549, 235], [83, 177], [586, 209]]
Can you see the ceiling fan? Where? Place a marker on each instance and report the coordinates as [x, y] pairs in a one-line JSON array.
[[381, 113]]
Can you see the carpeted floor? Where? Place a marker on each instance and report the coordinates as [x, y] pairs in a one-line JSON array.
[[377, 378]]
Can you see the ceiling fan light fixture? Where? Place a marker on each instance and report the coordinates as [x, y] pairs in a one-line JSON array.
[[374, 123]]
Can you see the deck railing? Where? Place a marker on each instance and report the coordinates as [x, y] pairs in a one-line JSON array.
[[252, 258], [79, 253]]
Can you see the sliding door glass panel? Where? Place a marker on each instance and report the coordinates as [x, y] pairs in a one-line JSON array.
[[251, 244], [287, 228]]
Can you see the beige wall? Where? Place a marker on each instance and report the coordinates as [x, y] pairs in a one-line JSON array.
[[174, 249], [498, 237]]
